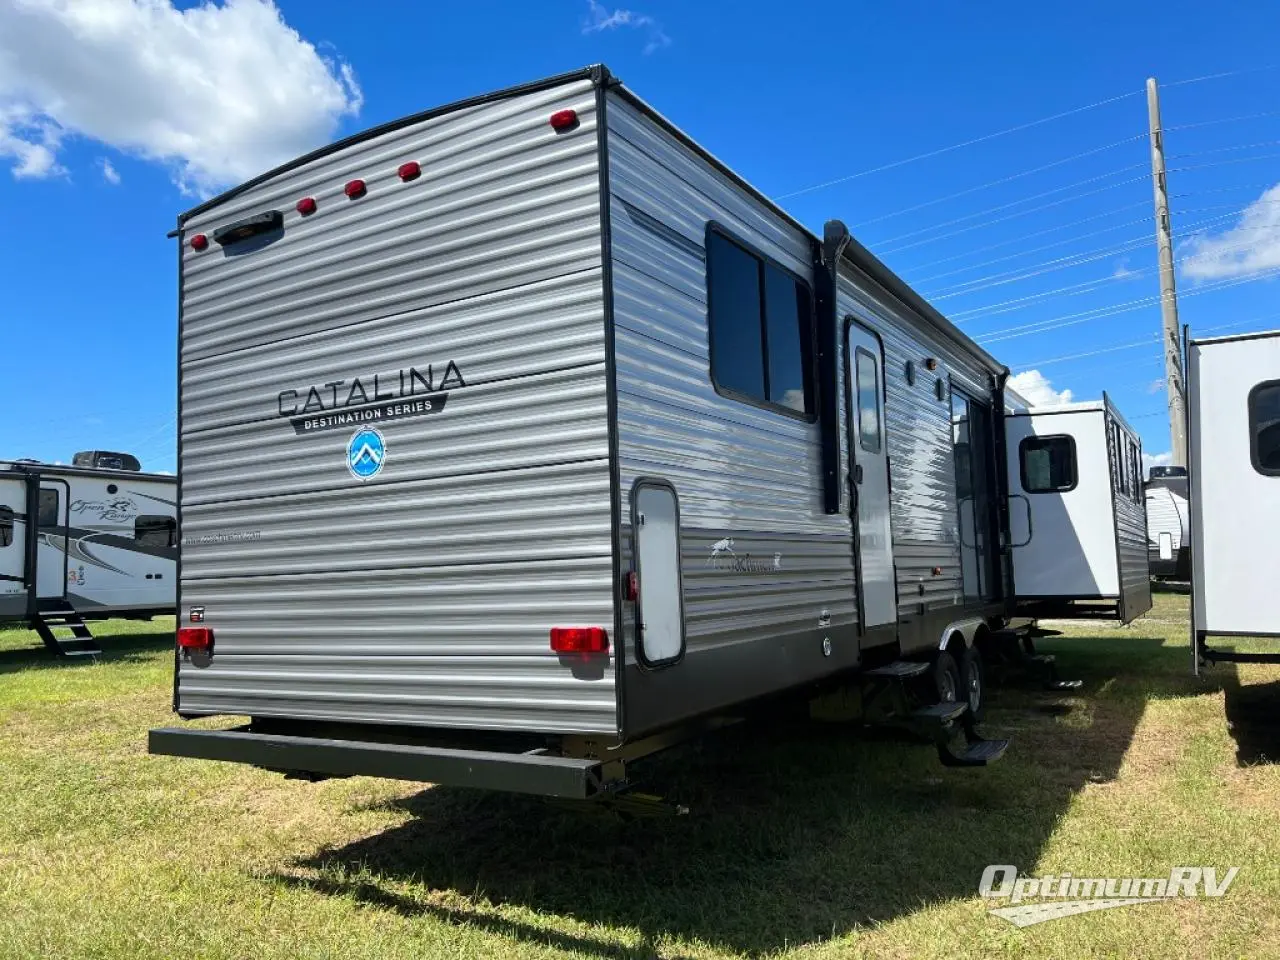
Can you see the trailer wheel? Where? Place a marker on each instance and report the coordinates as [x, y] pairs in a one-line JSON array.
[[973, 681], [946, 678]]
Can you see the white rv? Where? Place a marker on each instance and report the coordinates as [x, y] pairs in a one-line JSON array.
[[521, 436], [92, 540], [1169, 523], [1234, 445], [1077, 515]]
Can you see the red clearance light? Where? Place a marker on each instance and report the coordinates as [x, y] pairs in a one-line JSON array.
[[410, 171], [579, 640], [355, 189], [307, 206], [195, 638], [631, 587], [564, 120], [199, 242]]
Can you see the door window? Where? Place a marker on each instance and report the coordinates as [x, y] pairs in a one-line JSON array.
[[6, 526], [868, 383], [47, 513]]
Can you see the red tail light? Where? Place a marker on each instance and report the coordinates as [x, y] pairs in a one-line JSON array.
[[195, 638], [410, 171], [579, 640], [354, 189], [307, 206], [199, 242], [564, 120]]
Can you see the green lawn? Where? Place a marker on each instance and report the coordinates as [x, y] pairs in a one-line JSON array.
[[803, 840]]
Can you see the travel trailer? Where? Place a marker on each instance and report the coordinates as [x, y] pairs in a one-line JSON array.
[[1168, 524], [521, 438], [1233, 412], [92, 540], [1077, 514]]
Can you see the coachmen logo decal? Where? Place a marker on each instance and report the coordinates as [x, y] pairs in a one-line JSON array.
[[368, 399], [366, 453]]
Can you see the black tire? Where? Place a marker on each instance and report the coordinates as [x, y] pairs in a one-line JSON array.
[[973, 681], [946, 677]]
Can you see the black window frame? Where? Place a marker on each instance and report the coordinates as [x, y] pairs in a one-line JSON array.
[[156, 522], [6, 525], [1022, 463], [810, 383], [1251, 410], [857, 400]]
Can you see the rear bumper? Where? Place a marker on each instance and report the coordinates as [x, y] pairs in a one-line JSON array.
[[541, 774]]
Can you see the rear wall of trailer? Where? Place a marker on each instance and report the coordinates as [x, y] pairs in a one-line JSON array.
[[1235, 483], [425, 594]]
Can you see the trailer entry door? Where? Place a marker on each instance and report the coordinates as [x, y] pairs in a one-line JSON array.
[[13, 547], [51, 528], [869, 463]]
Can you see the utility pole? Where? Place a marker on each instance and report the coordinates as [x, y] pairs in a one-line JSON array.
[[1170, 340]]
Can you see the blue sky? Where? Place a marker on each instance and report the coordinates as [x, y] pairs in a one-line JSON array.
[[1038, 241]]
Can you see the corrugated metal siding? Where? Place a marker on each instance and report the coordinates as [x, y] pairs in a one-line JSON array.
[[924, 513], [1132, 553], [740, 472], [424, 596]]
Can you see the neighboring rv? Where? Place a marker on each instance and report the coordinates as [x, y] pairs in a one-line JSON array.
[[1077, 516], [1168, 524], [1234, 444], [519, 437], [84, 542]]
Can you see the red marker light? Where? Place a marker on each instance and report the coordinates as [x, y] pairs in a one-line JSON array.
[[410, 171], [307, 206], [195, 638], [199, 242], [631, 587], [563, 120], [579, 640], [354, 190]]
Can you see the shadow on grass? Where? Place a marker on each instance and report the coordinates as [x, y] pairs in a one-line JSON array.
[[1253, 718], [117, 647], [798, 832]]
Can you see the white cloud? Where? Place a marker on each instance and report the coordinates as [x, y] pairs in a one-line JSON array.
[[1251, 246], [600, 19], [1155, 386], [1037, 390], [109, 173], [1150, 460], [217, 92], [1122, 270]]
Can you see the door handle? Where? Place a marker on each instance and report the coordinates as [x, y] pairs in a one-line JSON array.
[[1030, 531], [857, 473]]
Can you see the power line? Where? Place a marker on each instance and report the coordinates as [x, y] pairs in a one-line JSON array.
[[1072, 319], [1014, 203], [998, 182], [1220, 120], [1014, 216], [955, 146]]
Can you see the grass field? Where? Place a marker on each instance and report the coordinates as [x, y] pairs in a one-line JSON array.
[[803, 841]]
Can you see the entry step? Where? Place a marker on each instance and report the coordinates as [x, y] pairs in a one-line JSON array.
[[945, 712], [979, 753], [899, 670]]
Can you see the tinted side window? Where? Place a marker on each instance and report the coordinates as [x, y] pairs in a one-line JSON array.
[[760, 326], [788, 340], [1264, 428], [155, 531], [737, 347], [6, 526], [1048, 464], [47, 511]]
